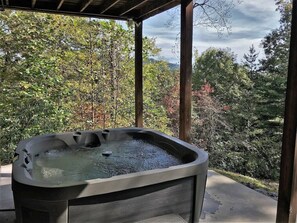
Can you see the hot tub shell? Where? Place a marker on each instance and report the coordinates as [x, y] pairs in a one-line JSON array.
[[122, 198]]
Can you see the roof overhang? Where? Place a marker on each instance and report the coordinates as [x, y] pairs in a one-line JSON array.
[[136, 10]]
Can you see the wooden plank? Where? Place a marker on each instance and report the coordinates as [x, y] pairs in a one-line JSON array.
[[24, 7], [60, 4], [107, 5], [138, 76], [33, 3], [130, 10], [287, 197], [85, 4], [186, 69], [157, 7], [132, 5]]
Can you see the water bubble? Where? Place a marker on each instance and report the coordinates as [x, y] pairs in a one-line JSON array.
[[114, 158]]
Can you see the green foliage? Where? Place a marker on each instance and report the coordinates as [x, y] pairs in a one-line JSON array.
[[250, 61], [32, 89], [276, 44], [157, 83], [266, 185], [238, 114], [239, 119], [218, 68], [60, 73], [219, 85]]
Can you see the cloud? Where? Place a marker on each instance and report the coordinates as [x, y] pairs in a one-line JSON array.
[[251, 21], [257, 6], [161, 33]]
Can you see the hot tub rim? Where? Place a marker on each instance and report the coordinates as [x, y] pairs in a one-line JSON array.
[[193, 168]]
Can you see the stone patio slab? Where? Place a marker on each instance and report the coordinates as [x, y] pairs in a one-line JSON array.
[[6, 201], [229, 201], [170, 218]]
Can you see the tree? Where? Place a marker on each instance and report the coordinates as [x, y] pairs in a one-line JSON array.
[[270, 89], [103, 64], [236, 116], [218, 67], [220, 85], [171, 103], [32, 89], [208, 120], [276, 43], [214, 14], [276, 48], [250, 61], [60, 73]]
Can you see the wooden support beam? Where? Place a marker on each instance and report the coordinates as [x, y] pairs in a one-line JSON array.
[[287, 195], [2, 9], [157, 7], [60, 4], [85, 4], [132, 4], [138, 76], [107, 5], [33, 2], [186, 69]]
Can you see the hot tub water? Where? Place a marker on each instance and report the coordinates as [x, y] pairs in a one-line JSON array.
[[126, 156]]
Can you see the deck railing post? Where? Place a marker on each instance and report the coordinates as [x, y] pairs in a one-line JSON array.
[[287, 196], [138, 76], [186, 69]]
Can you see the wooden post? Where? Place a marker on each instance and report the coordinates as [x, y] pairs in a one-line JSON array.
[[138, 76], [186, 69], [287, 195]]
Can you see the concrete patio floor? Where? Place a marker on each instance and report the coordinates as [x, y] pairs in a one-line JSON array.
[[225, 201]]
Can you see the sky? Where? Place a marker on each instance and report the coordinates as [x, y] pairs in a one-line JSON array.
[[251, 21]]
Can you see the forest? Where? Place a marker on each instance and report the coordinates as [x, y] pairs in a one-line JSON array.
[[61, 73]]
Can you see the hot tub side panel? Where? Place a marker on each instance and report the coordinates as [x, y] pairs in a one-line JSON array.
[[174, 197], [38, 211]]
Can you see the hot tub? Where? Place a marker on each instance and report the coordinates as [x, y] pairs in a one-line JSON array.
[[114, 175]]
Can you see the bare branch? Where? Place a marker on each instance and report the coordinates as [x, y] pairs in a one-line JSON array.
[[196, 4], [212, 14]]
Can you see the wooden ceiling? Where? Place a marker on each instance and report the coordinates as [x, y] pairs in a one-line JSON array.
[[136, 10]]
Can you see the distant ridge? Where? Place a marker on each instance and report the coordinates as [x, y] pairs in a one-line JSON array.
[[172, 66]]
